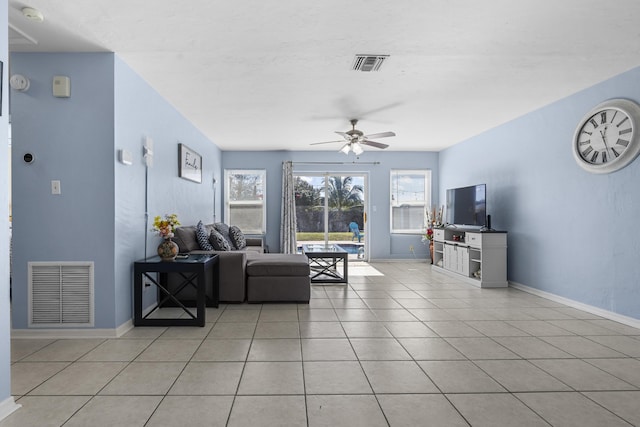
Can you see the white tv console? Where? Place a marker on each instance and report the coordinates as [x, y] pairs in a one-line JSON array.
[[477, 257]]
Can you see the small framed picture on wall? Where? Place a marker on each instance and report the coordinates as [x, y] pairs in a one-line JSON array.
[[190, 164]]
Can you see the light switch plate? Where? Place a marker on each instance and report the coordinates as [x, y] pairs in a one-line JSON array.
[[55, 187]]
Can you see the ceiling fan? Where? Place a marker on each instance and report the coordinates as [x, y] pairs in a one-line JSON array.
[[356, 138]]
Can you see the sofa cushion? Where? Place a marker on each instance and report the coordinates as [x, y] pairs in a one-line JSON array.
[[223, 229], [186, 239], [218, 242], [237, 237], [278, 265], [202, 234]]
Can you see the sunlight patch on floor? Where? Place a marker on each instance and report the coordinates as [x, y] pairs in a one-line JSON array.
[[363, 269]]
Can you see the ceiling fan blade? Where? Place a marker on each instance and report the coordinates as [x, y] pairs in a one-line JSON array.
[[380, 135], [373, 143], [326, 142]]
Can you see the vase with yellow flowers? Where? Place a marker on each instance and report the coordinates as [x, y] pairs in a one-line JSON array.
[[164, 227]]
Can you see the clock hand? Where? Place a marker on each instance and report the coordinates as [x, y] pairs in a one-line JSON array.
[[603, 134]]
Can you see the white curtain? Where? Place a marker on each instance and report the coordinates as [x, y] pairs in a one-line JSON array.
[[288, 244]]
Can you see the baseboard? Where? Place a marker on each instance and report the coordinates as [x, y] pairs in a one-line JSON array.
[[397, 260], [124, 328], [629, 321], [7, 407], [148, 310], [63, 333]]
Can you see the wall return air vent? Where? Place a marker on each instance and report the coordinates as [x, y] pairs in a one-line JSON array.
[[368, 63], [60, 294]]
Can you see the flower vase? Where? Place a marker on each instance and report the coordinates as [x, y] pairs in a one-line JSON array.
[[168, 250], [431, 250]]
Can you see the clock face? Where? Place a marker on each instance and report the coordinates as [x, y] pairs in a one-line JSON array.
[[605, 136], [607, 139]]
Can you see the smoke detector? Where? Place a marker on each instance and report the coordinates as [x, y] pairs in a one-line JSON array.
[[367, 63], [32, 14]]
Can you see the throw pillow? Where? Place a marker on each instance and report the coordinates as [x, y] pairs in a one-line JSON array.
[[237, 237], [223, 229], [202, 235], [218, 242]]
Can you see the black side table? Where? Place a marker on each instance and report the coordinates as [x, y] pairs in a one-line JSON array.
[[195, 271]]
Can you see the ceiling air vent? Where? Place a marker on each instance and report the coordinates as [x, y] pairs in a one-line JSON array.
[[368, 62]]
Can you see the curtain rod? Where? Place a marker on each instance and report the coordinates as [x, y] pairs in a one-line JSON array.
[[335, 163]]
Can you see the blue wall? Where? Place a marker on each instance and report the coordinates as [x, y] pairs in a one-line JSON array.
[[5, 347], [141, 112], [99, 216], [72, 141], [571, 233], [383, 245]]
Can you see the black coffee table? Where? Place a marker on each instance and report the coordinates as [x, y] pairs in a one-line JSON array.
[[324, 263]]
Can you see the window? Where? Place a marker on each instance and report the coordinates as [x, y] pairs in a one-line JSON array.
[[245, 199], [410, 196]]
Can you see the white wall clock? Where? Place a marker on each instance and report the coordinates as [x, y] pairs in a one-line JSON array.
[[608, 137]]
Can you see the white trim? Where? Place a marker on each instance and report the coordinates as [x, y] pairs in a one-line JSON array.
[[64, 333], [425, 203], [124, 328], [7, 407], [629, 321], [148, 310], [397, 260], [59, 333], [262, 174]]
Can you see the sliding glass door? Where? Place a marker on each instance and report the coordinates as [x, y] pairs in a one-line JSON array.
[[331, 209]]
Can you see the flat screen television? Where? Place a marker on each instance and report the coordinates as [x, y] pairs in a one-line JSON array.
[[467, 206]]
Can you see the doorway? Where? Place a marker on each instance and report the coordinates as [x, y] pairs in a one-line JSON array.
[[331, 209]]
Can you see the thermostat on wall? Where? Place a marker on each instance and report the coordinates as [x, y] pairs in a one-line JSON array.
[[61, 87]]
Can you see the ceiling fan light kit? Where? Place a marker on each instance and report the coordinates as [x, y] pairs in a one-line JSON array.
[[352, 146]]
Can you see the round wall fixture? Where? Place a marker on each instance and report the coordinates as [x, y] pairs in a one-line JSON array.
[[32, 14], [19, 82], [28, 158]]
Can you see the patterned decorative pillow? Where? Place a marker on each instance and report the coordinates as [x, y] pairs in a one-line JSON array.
[[237, 237], [202, 234], [223, 229], [218, 242]]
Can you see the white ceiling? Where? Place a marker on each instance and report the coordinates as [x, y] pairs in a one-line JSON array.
[[276, 75]]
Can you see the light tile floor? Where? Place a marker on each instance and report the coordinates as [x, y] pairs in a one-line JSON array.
[[398, 346]]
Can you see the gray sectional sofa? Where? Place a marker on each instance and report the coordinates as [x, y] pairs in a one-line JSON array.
[[250, 272]]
